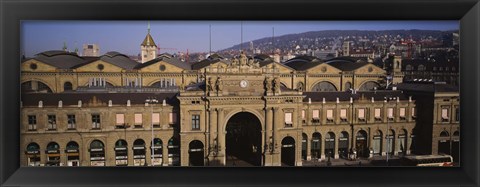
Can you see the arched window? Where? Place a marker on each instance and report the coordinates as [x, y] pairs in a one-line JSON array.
[[343, 145], [174, 151], [53, 154], [157, 154], [196, 153], [456, 133], [444, 134], [368, 86], [33, 154], [304, 146], [67, 86], [377, 142], [121, 153], [139, 152], [316, 145], [97, 153], [408, 67], [73, 156], [348, 85], [35, 86], [330, 145], [324, 86]]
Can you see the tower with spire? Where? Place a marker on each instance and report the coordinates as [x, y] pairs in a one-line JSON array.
[[148, 47]]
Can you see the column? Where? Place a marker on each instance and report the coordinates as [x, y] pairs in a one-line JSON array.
[[335, 150], [268, 125], [276, 125], [322, 146], [165, 152], [309, 146], [221, 136], [148, 152], [212, 124]]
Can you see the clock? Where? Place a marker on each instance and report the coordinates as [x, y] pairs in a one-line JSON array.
[[243, 83]]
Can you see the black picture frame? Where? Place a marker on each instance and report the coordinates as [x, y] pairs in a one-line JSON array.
[[13, 12]]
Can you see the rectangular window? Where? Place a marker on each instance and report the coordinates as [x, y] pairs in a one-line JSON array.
[[414, 114], [95, 121], [120, 119], [71, 122], [52, 122], [316, 116], [343, 115], [32, 122], [195, 122], [390, 114], [303, 116], [361, 114], [378, 114], [445, 116], [402, 113], [457, 114], [288, 119], [138, 120], [172, 118], [330, 116], [156, 120]]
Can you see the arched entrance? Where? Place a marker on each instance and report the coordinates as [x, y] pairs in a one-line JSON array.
[[361, 144], [343, 145], [33, 154], [139, 152], [316, 146], [304, 146], [444, 143], [390, 142], [72, 152], [53, 154], [330, 145], [377, 142], [174, 151], [243, 140], [195, 153], [288, 151], [121, 153], [97, 153], [402, 142]]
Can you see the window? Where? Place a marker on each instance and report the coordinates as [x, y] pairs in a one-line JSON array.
[[315, 116], [95, 121], [414, 114], [138, 120], [52, 122], [120, 119], [402, 114], [156, 120], [457, 114], [329, 116], [303, 116], [390, 114], [32, 122], [361, 115], [195, 122], [445, 116], [343, 115], [378, 116], [71, 121], [288, 119], [172, 118]]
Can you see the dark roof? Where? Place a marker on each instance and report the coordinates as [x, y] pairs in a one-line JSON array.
[[168, 59], [59, 59], [345, 96], [51, 99], [119, 60], [204, 63], [304, 62], [201, 86], [427, 86], [430, 64], [261, 57], [346, 64]]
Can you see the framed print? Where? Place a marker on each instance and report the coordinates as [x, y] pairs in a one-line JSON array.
[[217, 92]]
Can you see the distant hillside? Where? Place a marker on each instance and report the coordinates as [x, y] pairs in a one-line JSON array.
[[321, 39]]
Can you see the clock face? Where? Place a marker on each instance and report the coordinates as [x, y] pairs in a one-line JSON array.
[[243, 83]]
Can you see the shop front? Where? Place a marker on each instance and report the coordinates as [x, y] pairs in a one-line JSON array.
[[157, 153], [139, 152], [72, 152], [33, 154], [53, 154], [97, 153], [121, 153]]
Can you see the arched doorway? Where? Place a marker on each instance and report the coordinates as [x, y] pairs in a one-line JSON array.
[[33, 154], [174, 151], [157, 152], [361, 144], [316, 146], [196, 153], [444, 143], [243, 139], [53, 154], [402, 142], [390, 142], [377, 143], [73, 156], [288, 151], [139, 152], [97, 153], [330, 145], [343, 145], [121, 153], [67, 86], [304, 146]]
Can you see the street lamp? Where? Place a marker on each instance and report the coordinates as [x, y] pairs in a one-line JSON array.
[[387, 100], [151, 101]]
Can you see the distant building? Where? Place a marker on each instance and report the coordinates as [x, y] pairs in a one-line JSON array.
[[91, 50]]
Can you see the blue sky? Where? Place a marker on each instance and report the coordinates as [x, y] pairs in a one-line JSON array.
[[126, 36]]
